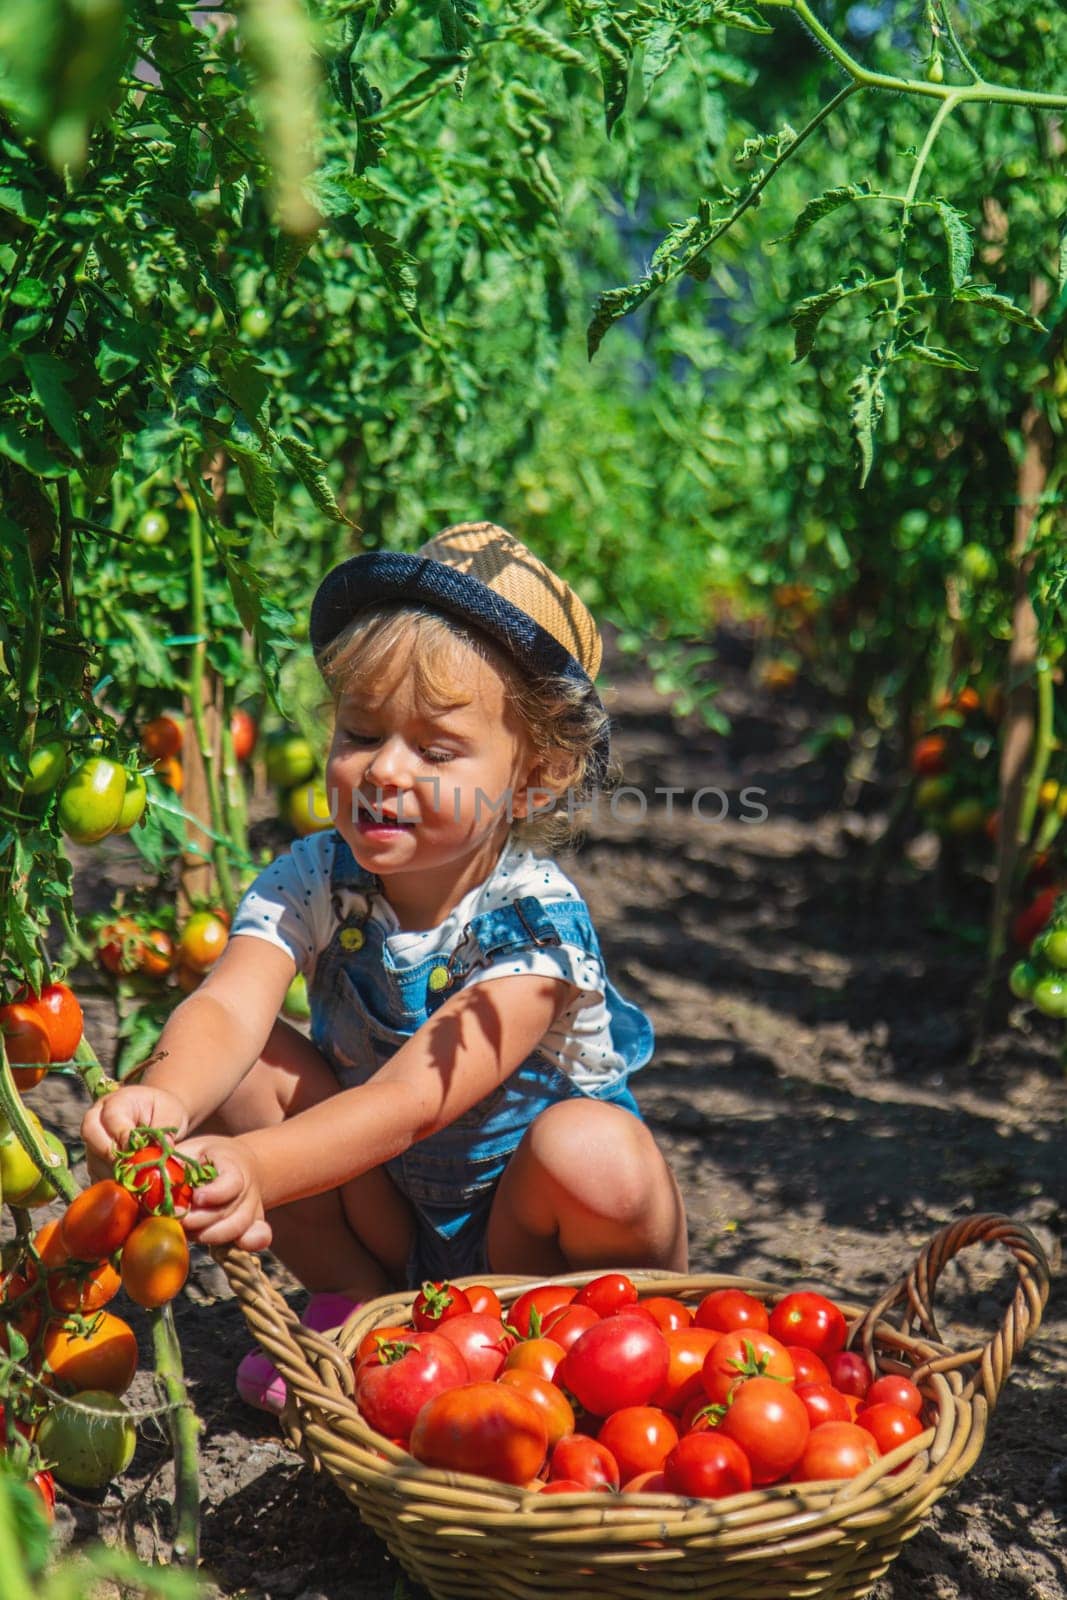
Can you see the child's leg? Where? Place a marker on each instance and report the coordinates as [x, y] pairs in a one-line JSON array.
[[355, 1240], [587, 1187]]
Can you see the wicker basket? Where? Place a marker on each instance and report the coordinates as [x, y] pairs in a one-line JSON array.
[[466, 1538]]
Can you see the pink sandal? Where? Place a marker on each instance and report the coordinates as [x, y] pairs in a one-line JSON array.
[[259, 1383]]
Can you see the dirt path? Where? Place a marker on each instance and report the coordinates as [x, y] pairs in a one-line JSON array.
[[812, 1088]]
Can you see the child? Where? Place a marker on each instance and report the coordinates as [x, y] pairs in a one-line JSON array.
[[437, 1123]]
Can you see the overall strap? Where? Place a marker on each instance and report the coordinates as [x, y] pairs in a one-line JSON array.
[[528, 923], [347, 877]]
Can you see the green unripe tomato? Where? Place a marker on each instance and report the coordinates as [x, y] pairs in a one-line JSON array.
[[1021, 980], [977, 563], [296, 1003], [133, 803], [152, 527], [44, 1190], [1050, 996], [48, 763], [87, 1451], [289, 760], [306, 808], [91, 801], [18, 1170], [1054, 948], [255, 322]]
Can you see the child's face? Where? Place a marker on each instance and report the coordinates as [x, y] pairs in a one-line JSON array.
[[440, 778]]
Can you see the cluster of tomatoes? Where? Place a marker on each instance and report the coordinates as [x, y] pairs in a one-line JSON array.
[[1042, 977], [127, 946], [162, 739], [598, 1388], [122, 1233], [954, 766], [292, 768], [40, 1031]]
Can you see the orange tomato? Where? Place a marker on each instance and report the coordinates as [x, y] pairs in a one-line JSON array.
[[170, 770], [202, 941], [103, 1358], [155, 1261], [162, 737], [82, 1288]]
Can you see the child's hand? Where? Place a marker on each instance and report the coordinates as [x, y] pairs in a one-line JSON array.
[[110, 1120], [229, 1209]]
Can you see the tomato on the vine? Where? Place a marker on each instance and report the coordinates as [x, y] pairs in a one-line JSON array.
[[26, 1042], [57, 1007], [142, 1173], [102, 1357], [161, 737], [157, 953], [155, 1261], [436, 1302], [929, 755], [47, 764], [243, 732], [202, 941], [99, 1220], [133, 803], [84, 1288], [255, 322], [89, 1449], [120, 946], [289, 760], [152, 527], [91, 800]]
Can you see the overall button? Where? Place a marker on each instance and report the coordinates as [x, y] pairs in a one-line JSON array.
[[438, 979], [351, 938]]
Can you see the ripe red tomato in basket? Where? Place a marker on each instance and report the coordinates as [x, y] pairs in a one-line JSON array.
[[687, 1349], [744, 1354], [393, 1386], [823, 1403], [580, 1459], [482, 1298], [530, 1309], [567, 1324], [889, 1425], [435, 1303], [481, 1341], [707, 1466], [892, 1389], [611, 1292], [835, 1450], [811, 1320], [557, 1413], [727, 1309], [667, 1313], [849, 1373], [770, 1424], [640, 1438], [372, 1342], [807, 1366], [620, 1361], [542, 1356], [484, 1428]]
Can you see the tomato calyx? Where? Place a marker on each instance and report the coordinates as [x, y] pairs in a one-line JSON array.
[[392, 1350], [754, 1366]]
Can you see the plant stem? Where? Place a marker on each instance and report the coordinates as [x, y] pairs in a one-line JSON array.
[[184, 1429], [1041, 751], [198, 671]]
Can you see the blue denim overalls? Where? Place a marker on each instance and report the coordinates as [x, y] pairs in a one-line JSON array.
[[364, 1006]]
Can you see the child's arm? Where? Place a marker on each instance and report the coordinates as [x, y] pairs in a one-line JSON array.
[[475, 1041], [207, 1045]]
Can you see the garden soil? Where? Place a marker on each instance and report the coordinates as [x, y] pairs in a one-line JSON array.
[[816, 1090]]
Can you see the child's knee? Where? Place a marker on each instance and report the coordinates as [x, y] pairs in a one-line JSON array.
[[601, 1154]]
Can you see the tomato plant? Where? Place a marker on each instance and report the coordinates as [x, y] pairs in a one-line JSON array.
[[91, 800], [99, 1221]]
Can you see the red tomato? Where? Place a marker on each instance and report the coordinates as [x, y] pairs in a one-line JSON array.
[[435, 1303], [895, 1391], [740, 1355], [541, 1356], [155, 1261], [480, 1340], [530, 1309], [707, 1466], [889, 1425], [585, 1461], [482, 1298], [45, 1485], [141, 1172], [393, 1386], [807, 1366], [640, 1438], [120, 946], [835, 1450], [70, 1287], [687, 1349], [26, 1042], [27, 1318], [811, 1320], [162, 737], [850, 1373], [243, 732], [668, 1314], [1036, 916], [611, 1292], [620, 1361], [484, 1428], [823, 1403], [571, 1486], [202, 940], [727, 1309], [58, 1011], [567, 1324], [557, 1413], [770, 1424], [929, 755], [104, 1357], [646, 1483], [371, 1343], [99, 1220], [157, 953]]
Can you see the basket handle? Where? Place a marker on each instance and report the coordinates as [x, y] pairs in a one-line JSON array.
[[299, 1353], [915, 1291]]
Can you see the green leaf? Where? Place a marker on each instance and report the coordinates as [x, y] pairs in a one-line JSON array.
[[31, 292], [959, 240], [809, 313], [980, 294], [311, 471], [676, 254], [48, 375], [400, 269], [531, 36], [253, 463], [147, 636], [125, 345], [866, 413], [935, 356], [28, 205], [29, 450], [823, 204], [613, 53]]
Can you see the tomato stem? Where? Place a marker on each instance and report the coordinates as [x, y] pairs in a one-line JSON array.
[[184, 1429]]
